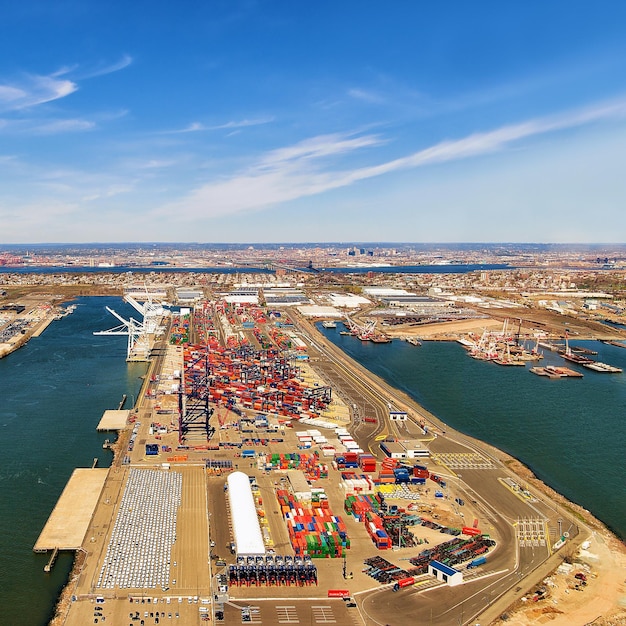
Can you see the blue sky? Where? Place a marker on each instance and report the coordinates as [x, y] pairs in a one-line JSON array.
[[282, 121]]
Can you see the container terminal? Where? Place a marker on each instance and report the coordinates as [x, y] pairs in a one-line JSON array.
[[264, 477]]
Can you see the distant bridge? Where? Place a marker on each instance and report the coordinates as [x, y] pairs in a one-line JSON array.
[[277, 265]]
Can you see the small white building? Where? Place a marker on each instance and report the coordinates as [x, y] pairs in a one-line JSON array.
[[445, 573], [398, 416], [415, 449]]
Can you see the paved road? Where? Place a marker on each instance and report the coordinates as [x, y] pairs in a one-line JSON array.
[[524, 525]]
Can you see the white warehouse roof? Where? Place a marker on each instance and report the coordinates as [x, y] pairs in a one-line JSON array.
[[348, 300], [380, 292], [315, 310], [246, 528]]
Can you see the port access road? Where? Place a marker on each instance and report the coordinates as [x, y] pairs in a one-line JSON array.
[[524, 523]]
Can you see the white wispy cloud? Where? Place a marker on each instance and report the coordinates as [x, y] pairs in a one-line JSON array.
[[33, 90], [104, 69], [62, 126], [305, 169], [366, 96], [109, 192], [243, 123], [37, 126], [196, 127], [11, 94], [153, 164], [323, 145]]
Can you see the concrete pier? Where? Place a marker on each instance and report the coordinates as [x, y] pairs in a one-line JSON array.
[[67, 525]]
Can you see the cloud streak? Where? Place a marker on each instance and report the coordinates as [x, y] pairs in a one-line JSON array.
[[38, 126], [196, 127], [34, 90], [305, 169], [123, 63], [31, 90]]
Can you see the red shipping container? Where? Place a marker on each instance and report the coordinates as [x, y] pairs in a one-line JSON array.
[[338, 593]]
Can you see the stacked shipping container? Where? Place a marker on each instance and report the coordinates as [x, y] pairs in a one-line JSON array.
[[314, 531]]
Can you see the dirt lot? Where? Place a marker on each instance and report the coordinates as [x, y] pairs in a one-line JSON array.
[[533, 320], [601, 601]]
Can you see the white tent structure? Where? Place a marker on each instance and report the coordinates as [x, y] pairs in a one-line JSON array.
[[246, 528]]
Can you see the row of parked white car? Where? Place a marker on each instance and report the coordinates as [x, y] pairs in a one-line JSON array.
[[138, 554]]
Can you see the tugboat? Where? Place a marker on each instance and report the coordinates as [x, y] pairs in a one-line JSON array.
[[379, 338]]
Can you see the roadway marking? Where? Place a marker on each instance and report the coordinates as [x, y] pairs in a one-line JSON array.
[[463, 460], [531, 532], [253, 614], [323, 615], [287, 615], [523, 494]]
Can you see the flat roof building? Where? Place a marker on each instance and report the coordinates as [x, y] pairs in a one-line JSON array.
[[299, 484], [445, 573], [393, 449]]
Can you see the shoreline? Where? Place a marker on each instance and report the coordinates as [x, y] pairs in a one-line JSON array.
[[525, 471], [510, 603]]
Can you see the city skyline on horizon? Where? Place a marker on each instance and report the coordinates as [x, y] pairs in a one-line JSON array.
[[273, 123]]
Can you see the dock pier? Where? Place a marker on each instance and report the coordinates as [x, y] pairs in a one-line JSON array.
[[48, 567]]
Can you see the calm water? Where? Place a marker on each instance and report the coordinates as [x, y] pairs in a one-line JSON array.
[[399, 269], [53, 392], [571, 432]]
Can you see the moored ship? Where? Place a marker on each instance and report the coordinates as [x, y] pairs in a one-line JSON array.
[[552, 371], [603, 368]]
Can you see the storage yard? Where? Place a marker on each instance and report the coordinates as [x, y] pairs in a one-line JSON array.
[[241, 474]]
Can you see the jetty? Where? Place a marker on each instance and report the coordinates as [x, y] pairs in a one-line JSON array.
[[113, 420], [67, 525], [53, 557], [414, 341], [611, 342]]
